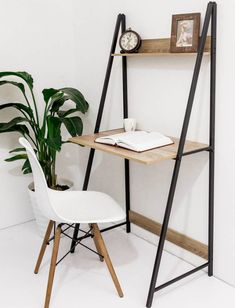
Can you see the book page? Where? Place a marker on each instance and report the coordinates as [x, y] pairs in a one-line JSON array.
[[136, 140], [110, 139], [141, 140]]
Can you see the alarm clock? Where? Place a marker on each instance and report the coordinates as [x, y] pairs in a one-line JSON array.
[[129, 41]]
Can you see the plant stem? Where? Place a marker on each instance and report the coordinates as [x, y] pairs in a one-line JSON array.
[[35, 107], [53, 175], [32, 140], [27, 101], [34, 125]]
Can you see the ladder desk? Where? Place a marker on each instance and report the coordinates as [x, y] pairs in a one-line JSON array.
[[181, 147]]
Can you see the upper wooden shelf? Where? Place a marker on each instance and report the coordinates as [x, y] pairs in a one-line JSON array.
[[161, 47], [147, 157]]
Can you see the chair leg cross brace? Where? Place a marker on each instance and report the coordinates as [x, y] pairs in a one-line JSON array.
[[101, 251], [78, 242]]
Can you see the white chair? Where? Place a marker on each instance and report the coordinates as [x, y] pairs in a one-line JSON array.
[[71, 207]]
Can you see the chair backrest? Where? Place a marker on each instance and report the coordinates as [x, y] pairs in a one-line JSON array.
[[40, 184]]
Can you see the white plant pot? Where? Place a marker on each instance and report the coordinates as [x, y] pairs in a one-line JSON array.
[[41, 220]]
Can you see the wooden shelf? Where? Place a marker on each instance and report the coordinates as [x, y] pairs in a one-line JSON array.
[[161, 47], [147, 157], [155, 54]]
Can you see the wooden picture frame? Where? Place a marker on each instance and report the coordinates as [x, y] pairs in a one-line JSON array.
[[185, 31]]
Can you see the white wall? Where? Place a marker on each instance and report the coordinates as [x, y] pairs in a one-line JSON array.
[[66, 44]]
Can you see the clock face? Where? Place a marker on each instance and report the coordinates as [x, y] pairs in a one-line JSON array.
[[129, 41]]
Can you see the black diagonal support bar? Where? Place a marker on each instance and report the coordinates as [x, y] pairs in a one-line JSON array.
[[210, 15]]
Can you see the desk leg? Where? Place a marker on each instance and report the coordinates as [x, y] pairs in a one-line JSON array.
[[211, 214], [212, 140], [127, 192], [75, 236], [163, 233], [125, 115], [85, 185]]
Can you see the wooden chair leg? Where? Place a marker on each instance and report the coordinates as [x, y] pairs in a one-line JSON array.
[[44, 246], [52, 266], [97, 244], [104, 252]]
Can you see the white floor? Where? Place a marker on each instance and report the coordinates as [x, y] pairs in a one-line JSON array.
[[82, 281]]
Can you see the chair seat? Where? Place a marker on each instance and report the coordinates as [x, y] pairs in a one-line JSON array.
[[85, 207]]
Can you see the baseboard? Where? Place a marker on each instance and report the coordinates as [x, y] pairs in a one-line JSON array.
[[173, 236]]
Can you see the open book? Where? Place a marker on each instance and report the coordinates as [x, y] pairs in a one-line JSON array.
[[138, 141]]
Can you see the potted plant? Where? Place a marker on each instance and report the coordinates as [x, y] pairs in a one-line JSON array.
[[44, 132]]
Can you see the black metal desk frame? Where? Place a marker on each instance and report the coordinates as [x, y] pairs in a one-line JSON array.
[[211, 15]]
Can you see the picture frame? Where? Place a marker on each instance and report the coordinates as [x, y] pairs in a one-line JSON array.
[[185, 31]]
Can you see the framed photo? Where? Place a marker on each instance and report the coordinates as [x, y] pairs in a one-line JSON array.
[[185, 32]]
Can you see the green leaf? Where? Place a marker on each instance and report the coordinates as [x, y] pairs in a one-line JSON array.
[[65, 113], [54, 139], [48, 93], [54, 143], [5, 127], [16, 157], [58, 97], [27, 171], [77, 97], [53, 124], [18, 106], [55, 97], [23, 75], [87, 105], [74, 125], [57, 101], [16, 84], [22, 129], [18, 150], [26, 168]]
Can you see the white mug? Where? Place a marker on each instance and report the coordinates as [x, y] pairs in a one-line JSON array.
[[129, 124]]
